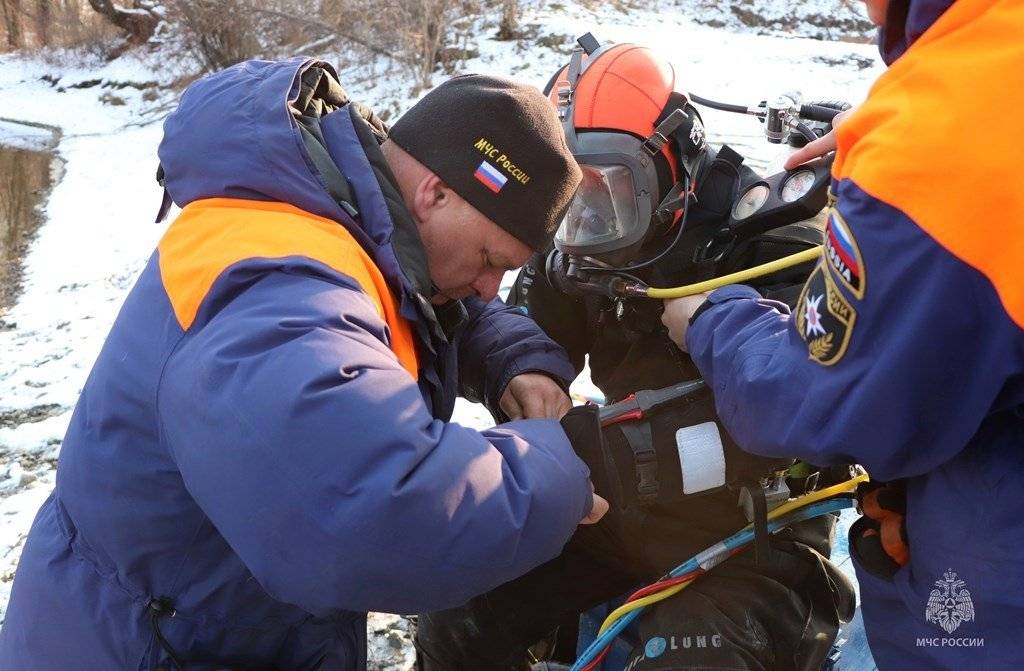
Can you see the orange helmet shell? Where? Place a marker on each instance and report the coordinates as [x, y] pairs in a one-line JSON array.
[[625, 88]]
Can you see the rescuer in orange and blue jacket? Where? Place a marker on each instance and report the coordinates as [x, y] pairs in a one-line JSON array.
[[905, 352], [261, 452]]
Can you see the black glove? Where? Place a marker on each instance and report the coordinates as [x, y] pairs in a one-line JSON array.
[[879, 538], [583, 428]]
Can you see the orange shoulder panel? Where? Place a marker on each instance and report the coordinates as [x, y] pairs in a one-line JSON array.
[[938, 139], [213, 234]]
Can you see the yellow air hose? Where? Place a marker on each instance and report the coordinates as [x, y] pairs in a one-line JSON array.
[[738, 277], [614, 616]]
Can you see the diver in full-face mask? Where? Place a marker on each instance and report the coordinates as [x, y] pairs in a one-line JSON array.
[[675, 476]]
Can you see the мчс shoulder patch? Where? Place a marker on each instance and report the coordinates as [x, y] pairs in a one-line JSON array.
[[843, 254], [824, 318]]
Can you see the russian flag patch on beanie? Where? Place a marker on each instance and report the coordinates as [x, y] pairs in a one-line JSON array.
[[490, 176]]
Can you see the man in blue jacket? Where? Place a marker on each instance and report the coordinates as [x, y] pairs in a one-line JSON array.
[[261, 452], [906, 350]]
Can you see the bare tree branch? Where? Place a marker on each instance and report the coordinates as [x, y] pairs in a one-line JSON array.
[[139, 22], [329, 30]]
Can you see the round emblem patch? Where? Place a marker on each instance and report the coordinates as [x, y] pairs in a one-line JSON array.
[[655, 647]]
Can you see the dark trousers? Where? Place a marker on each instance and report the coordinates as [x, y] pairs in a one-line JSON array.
[[781, 615]]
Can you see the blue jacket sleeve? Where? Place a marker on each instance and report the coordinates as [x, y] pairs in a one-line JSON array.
[[312, 452], [900, 388], [500, 342]]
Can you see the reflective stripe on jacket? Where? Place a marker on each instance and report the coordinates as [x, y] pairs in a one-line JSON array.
[[214, 234]]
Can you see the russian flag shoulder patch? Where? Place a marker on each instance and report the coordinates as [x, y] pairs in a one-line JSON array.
[[843, 254]]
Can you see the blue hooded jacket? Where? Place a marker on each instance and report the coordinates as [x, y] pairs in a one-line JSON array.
[[254, 445], [905, 352]]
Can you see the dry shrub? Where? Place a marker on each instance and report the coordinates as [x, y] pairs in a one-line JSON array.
[[52, 24], [418, 35], [414, 33], [218, 33]]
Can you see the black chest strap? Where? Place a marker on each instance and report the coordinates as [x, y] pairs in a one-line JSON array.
[[645, 459]]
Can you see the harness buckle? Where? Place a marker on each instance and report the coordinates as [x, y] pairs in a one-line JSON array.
[[654, 143]]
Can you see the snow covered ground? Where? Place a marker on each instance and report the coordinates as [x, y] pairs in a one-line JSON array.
[[98, 229]]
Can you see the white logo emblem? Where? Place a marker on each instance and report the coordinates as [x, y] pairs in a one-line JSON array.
[[697, 134], [812, 317], [949, 604]]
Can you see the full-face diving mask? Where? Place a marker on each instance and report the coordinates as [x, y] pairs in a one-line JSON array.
[[626, 167]]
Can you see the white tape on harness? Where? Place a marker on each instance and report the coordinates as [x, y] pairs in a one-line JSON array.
[[701, 457]]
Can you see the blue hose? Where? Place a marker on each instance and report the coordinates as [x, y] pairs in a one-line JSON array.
[[714, 554]]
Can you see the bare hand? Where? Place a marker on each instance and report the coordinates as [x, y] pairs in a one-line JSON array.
[[534, 396], [817, 148], [676, 316], [600, 507]]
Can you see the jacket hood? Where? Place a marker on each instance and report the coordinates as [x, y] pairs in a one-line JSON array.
[[286, 131], [234, 135], [906, 21]]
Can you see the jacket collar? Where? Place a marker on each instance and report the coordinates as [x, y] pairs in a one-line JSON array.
[[905, 21], [287, 131]]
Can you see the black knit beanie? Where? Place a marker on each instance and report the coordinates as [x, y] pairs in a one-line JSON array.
[[497, 144]]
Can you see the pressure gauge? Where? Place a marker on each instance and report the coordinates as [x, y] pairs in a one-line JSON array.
[[750, 202], [797, 185]]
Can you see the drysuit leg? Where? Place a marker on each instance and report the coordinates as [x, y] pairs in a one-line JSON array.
[[494, 630], [783, 616], [779, 617]]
